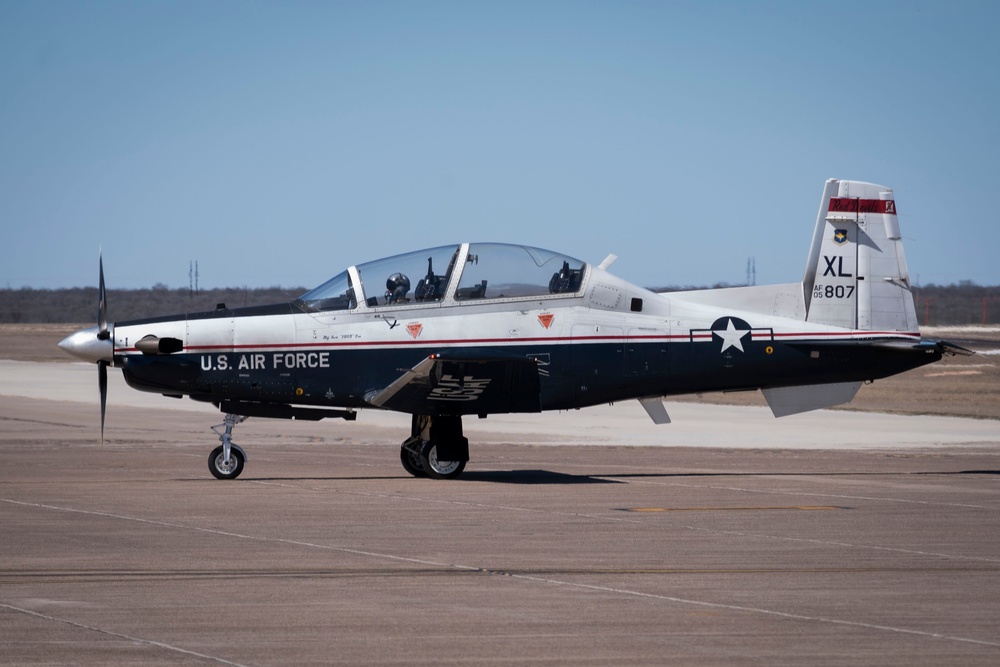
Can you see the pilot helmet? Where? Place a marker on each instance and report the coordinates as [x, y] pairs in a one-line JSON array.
[[397, 281]]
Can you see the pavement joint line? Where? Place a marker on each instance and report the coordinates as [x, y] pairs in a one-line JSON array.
[[462, 503], [213, 531], [769, 508], [109, 576], [118, 635], [831, 543], [759, 610], [793, 492], [494, 572]]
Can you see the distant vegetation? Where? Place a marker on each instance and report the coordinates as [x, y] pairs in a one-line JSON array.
[[79, 305], [937, 305], [965, 303]]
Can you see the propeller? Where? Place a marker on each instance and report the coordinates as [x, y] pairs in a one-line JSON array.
[[95, 344], [102, 334]]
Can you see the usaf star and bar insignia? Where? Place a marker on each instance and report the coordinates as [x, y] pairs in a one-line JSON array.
[[732, 333]]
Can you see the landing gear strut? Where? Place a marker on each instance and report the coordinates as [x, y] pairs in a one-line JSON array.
[[226, 461], [435, 448], [409, 451]]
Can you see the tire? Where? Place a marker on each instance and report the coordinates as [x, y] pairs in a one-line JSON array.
[[411, 462], [220, 471], [436, 469]]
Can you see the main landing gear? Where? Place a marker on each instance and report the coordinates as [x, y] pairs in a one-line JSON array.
[[226, 461], [435, 448]]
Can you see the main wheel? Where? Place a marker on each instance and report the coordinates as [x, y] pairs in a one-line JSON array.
[[220, 469], [411, 462], [436, 469]]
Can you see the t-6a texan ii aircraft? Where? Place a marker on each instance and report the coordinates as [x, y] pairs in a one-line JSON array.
[[487, 328]]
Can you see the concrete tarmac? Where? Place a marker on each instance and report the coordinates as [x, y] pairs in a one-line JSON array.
[[326, 552]]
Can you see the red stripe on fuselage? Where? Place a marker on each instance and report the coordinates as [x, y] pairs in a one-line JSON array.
[[702, 335]]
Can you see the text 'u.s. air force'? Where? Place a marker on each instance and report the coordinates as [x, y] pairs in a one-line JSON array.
[[262, 361]]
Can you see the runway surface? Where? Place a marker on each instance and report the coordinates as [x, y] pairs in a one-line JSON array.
[[727, 537]]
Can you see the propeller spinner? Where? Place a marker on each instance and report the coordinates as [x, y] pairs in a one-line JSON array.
[[95, 344]]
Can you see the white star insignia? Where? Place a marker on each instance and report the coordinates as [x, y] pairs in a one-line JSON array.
[[731, 337]]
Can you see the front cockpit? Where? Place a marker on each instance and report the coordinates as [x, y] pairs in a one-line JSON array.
[[462, 274]]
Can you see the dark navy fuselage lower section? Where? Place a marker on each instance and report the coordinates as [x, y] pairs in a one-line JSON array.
[[570, 375]]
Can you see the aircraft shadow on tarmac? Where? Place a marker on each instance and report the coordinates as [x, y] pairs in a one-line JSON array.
[[494, 476], [962, 472], [549, 477], [555, 478], [533, 477]]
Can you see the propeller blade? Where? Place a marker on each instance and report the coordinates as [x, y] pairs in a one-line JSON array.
[[102, 383], [102, 334], [102, 304]]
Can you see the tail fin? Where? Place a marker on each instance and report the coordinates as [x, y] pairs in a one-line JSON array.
[[857, 276]]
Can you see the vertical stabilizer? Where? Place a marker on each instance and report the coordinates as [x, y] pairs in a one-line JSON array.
[[857, 276]]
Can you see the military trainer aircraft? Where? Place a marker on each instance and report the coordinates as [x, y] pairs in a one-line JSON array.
[[486, 328]]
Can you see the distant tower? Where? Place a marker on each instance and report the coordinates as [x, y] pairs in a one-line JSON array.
[[192, 278], [751, 270]]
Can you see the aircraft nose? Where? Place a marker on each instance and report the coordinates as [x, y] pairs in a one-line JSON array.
[[86, 345]]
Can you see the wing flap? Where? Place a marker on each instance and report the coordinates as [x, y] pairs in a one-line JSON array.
[[419, 374], [464, 381]]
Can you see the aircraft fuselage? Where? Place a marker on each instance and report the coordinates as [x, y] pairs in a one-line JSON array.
[[585, 356]]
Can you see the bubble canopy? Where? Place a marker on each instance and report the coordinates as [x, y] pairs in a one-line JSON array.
[[464, 273]]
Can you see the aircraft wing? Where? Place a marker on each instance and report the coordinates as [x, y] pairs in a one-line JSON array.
[[464, 381]]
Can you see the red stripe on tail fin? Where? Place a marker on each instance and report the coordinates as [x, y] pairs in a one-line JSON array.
[[850, 205]]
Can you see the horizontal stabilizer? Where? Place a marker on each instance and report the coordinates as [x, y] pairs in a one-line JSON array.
[[924, 345], [951, 349], [655, 409], [785, 401]]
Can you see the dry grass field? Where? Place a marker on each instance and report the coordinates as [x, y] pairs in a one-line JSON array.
[[957, 386]]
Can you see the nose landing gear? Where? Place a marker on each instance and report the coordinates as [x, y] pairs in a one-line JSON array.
[[226, 461]]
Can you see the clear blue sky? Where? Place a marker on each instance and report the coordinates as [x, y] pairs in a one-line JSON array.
[[277, 143]]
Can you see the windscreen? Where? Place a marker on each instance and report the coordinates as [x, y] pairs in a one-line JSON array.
[[335, 294]]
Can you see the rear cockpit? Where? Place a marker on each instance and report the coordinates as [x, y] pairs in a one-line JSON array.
[[463, 274]]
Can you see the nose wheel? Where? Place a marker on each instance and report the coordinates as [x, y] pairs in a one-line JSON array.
[[225, 469], [226, 461]]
